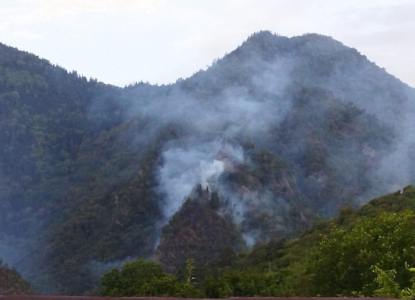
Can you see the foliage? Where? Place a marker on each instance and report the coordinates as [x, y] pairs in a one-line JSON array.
[[385, 280], [196, 232], [339, 256], [11, 283], [144, 279], [344, 259], [62, 140], [189, 266], [79, 161], [247, 283], [366, 252]]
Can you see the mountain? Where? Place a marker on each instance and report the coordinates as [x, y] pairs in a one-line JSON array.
[[365, 251], [281, 132], [197, 231]]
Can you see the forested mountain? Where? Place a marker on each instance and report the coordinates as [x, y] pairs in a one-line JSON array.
[[365, 252], [275, 135], [335, 256]]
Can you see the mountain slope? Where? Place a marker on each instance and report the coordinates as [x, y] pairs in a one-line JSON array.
[[308, 271], [56, 156], [197, 231], [285, 131]]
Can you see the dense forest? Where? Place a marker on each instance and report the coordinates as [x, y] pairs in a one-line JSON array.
[[277, 135], [364, 252]]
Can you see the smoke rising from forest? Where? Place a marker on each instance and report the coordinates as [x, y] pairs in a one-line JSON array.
[[248, 112], [185, 168], [281, 128], [211, 132]]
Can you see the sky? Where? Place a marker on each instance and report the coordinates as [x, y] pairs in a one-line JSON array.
[[159, 41]]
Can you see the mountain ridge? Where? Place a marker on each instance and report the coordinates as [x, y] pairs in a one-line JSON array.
[[284, 130]]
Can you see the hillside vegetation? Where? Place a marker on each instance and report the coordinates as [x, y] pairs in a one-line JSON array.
[[11, 283], [361, 252], [276, 135]]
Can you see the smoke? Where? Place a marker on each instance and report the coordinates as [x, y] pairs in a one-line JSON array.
[[204, 126], [238, 100], [351, 77], [397, 168], [98, 268], [200, 126], [13, 252], [184, 168], [210, 129], [259, 214], [8, 254]]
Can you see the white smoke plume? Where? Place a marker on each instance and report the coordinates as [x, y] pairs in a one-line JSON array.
[[184, 168], [247, 109]]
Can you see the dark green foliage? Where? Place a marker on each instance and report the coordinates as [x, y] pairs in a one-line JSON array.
[[336, 256], [142, 278], [272, 179], [342, 264], [360, 252], [132, 279], [71, 179], [244, 284], [327, 139], [197, 231], [79, 161], [11, 283]]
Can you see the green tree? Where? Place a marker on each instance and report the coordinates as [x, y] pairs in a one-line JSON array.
[[244, 283], [387, 286], [343, 263], [144, 279], [132, 280]]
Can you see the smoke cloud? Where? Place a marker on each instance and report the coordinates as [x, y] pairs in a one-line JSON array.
[[211, 131], [248, 98], [184, 168], [203, 128]]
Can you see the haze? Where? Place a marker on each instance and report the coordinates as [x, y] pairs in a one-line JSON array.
[[124, 41]]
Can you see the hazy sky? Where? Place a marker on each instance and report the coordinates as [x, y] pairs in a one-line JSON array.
[[159, 41]]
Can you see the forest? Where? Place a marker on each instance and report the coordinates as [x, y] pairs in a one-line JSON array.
[[245, 172], [364, 252]]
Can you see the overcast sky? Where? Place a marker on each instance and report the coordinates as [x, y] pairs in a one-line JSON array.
[[124, 41]]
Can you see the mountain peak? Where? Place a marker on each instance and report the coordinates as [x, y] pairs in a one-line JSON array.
[[281, 129]]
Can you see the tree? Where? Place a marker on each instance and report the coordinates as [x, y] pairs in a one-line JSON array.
[[144, 279], [132, 280], [343, 263]]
